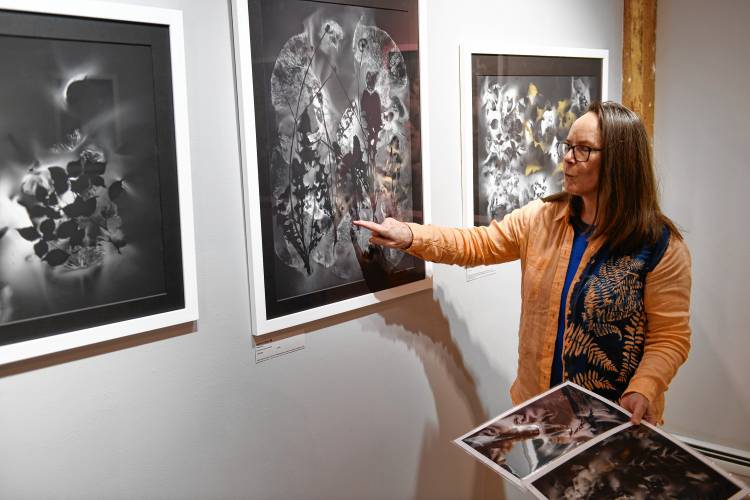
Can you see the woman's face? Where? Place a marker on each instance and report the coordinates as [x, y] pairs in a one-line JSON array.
[[582, 178]]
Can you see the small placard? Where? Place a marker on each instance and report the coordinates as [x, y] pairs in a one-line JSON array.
[[273, 348]]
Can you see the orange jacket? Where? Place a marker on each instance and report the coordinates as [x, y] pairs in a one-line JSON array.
[[541, 236]]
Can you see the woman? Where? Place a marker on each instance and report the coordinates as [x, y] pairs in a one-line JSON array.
[[606, 276]]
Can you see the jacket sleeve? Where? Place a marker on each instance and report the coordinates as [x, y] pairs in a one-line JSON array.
[[667, 303], [499, 242]]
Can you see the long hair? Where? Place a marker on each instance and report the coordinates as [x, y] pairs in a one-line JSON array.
[[628, 213]]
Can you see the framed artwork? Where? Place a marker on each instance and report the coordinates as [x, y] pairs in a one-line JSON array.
[[517, 104], [332, 104], [96, 226]]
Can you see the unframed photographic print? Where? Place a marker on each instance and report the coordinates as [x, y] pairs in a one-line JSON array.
[[532, 435], [638, 463]]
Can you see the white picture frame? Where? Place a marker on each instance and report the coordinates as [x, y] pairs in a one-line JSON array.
[[188, 311], [261, 323], [466, 85]]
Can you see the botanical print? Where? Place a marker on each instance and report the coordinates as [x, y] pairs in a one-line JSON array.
[[336, 141], [606, 326], [543, 430], [519, 122], [637, 463], [80, 217]]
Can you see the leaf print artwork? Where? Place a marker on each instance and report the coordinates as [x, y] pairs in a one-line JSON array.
[[536, 433], [335, 143], [516, 108], [636, 462], [80, 184], [520, 122]]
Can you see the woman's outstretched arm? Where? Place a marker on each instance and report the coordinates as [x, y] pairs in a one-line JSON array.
[[499, 242]]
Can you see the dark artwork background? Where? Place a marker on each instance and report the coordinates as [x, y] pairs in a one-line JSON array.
[[635, 463], [545, 429], [338, 139], [523, 106], [89, 213]]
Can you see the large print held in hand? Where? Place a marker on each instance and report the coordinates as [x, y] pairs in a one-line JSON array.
[[331, 104], [526, 439], [95, 208]]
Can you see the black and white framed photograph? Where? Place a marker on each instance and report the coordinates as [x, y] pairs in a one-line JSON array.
[[638, 462], [517, 105], [331, 98], [529, 438], [96, 226]]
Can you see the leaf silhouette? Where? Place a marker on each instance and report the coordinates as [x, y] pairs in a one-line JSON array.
[[59, 179], [80, 208], [41, 193], [3, 231], [47, 227], [52, 200], [80, 185], [115, 190], [97, 180], [36, 211], [89, 207], [67, 229], [74, 168], [56, 257], [95, 168], [41, 248], [52, 213], [29, 233], [75, 209]]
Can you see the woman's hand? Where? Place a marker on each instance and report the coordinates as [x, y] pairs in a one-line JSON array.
[[637, 404], [391, 233]]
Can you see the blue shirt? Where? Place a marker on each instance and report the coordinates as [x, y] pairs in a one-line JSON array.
[[580, 242]]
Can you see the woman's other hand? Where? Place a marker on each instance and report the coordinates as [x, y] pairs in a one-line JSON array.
[[391, 233], [639, 406]]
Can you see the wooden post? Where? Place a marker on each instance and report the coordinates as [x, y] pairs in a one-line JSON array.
[[639, 58]]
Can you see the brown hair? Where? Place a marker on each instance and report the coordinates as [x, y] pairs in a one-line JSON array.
[[628, 212]]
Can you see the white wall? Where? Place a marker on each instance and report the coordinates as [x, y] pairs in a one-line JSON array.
[[702, 128], [368, 409]]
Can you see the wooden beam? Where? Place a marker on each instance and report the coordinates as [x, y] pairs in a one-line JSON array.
[[639, 59]]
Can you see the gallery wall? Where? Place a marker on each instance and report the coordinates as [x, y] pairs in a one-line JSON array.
[[368, 408], [701, 134]]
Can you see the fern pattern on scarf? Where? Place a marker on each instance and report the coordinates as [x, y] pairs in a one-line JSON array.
[[606, 326]]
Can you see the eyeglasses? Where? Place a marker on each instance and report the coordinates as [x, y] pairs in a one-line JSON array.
[[580, 153]]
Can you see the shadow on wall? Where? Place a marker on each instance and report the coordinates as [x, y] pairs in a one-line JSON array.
[[429, 329], [88, 351]]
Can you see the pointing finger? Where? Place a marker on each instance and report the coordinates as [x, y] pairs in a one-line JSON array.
[[372, 226]]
